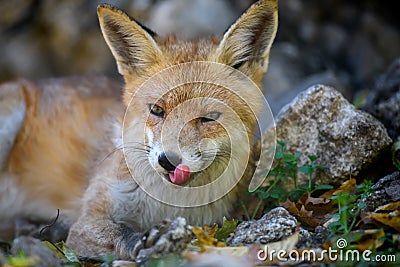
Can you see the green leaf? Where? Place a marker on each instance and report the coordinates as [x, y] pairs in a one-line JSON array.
[[279, 155], [21, 260], [324, 187], [228, 226], [70, 255], [305, 169], [312, 158], [281, 143], [53, 247]]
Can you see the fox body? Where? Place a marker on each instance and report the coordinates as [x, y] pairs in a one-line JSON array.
[[162, 138], [52, 133]]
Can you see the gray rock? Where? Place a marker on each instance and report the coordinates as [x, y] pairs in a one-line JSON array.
[[2, 259], [386, 190], [273, 226], [168, 237], [383, 101], [321, 122], [315, 240], [35, 249]]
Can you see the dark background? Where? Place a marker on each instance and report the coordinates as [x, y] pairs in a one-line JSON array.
[[346, 44]]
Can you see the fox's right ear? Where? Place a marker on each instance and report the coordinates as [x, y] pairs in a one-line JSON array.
[[131, 44]]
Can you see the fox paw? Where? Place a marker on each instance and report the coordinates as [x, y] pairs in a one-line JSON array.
[[164, 238]]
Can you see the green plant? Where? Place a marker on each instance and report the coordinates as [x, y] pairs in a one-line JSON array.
[[286, 169], [21, 260], [310, 169], [349, 208]]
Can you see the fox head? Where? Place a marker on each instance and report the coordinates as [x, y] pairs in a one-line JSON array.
[[191, 97]]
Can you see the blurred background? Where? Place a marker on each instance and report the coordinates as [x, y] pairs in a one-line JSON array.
[[346, 44]]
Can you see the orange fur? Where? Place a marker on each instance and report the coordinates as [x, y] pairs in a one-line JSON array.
[[59, 143]]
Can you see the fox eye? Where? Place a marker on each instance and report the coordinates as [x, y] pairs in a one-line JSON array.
[[156, 110], [212, 116]]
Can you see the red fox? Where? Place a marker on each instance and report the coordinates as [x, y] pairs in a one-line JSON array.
[[115, 168]]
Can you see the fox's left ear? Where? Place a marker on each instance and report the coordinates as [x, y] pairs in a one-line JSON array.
[[246, 44]]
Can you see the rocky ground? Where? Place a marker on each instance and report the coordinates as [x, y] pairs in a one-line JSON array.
[[333, 84]]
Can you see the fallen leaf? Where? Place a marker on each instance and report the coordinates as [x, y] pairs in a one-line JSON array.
[[210, 230], [316, 200], [389, 207], [290, 207], [391, 219], [305, 213], [228, 226], [21, 261], [347, 186], [204, 239], [57, 248], [367, 239]]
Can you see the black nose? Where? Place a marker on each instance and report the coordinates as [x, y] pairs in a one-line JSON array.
[[169, 161]]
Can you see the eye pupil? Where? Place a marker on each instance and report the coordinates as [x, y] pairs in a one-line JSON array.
[[212, 116], [156, 110]]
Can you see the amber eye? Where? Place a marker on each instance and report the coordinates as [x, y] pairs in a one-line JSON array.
[[156, 110], [212, 116]]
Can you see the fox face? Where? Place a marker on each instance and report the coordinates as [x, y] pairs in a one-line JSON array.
[[184, 145], [190, 112], [189, 132]]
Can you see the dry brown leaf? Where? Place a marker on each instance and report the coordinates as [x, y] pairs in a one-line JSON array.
[[370, 239], [316, 200], [305, 213], [347, 186], [361, 240], [205, 239], [210, 230], [389, 207], [290, 207], [391, 219], [311, 211]]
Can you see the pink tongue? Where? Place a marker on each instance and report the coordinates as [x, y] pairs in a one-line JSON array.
[[181, 174]]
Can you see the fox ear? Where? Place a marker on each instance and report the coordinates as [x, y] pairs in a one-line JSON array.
[[246, 44], [131, 44]]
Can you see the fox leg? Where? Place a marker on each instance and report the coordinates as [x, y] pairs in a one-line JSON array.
[[99, 237], [94, 237], [12, 114]]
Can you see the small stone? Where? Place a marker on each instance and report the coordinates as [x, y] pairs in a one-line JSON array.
[[273, 226], [386, 190], [175, 239], [34, 248], [2, 259], [314, 240]]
